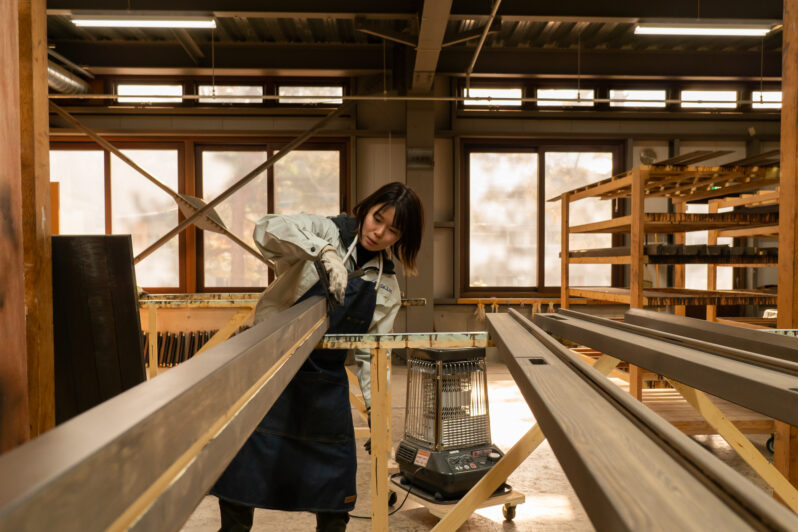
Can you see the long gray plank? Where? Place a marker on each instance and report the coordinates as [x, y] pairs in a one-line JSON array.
[[774, 345], [631, 469], [85, 474], [749, 382]]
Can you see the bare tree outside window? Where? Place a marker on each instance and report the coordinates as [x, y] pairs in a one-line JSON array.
[[503, 219], [308, 181], [144, 211], [566, 171], [226, 264]]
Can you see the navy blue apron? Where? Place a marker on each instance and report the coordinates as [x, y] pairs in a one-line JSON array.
[[302, 455]]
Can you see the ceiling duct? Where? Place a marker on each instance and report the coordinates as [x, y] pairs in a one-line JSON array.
[[63, 81]]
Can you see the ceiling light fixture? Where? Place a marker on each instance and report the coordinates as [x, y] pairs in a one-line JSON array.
[[108, 21], [699, 29]]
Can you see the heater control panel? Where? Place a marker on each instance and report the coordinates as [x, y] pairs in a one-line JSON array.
[[472, 459]]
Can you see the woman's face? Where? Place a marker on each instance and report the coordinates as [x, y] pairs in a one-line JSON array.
[[378, 232]]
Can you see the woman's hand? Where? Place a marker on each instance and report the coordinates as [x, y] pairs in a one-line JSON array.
[[337, 273]]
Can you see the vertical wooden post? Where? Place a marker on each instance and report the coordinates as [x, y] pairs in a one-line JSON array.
[[152, 327], [36, 224], [55, 207], [637, 236], [564, 253], [712, 270], [786, 455], [14, 422], [679, 271], [380, 446]]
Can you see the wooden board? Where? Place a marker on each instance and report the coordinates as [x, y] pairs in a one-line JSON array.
[[14, 421], [98, 337], [670, 405], [674, 296], [513, 498], [169, 438], [36, 228], [680, 182], [680, 222]]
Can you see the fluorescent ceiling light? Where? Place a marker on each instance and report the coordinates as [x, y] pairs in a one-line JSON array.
[[107, 21], [736, 30]]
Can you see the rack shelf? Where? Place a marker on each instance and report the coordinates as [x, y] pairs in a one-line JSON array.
[[681, 222], [676, 296], [680, 254]]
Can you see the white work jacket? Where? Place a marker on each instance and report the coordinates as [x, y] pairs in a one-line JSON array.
[[292, 242]]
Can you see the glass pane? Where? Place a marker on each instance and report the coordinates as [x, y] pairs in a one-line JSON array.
[[81, 177], [308, 181], [566, 171], [709, 99], [230, 93], [498, 97], [140, 93], [570, 98], [307, 92], [766, 100], [637, 98], [503, 207], [147, 213], [226, 263]]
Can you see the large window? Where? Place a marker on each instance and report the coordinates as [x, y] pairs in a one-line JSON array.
[[101, 194], [307, 180], [512, 240]]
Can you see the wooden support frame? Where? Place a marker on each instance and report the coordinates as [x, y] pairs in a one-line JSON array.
[[740, 444], [36, 223], [786, 452], [14, 419], [170, 438], [379, 345], [498, 474]]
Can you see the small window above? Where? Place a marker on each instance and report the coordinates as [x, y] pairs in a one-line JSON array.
[[709, 99], [310, 94], [766, 99], [565, 97], [146, 93], [476, 97], [637, 98], [230, 93]]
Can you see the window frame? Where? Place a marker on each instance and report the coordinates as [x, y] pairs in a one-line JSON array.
[[541, 147], [269, 147], [189, 175]]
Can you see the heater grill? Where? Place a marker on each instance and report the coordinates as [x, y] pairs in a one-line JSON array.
[[446, 447]]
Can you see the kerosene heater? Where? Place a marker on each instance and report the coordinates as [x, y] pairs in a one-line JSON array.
[[447, 446]]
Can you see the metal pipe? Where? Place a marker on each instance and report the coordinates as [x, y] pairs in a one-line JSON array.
[[481, 42], [63, 81]]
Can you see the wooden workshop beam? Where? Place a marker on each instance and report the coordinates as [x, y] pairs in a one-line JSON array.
[[595, 423], [14, 423], [565, 256], [786, 452], [36, 224], [759, 382], [161, 445]]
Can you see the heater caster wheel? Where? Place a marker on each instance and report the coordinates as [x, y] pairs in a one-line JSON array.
[[508, 511], [392, 498], [771, 443]]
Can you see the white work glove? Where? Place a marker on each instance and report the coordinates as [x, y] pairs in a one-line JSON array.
[[337, 273]]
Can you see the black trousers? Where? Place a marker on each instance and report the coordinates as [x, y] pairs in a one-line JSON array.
[[238, 518]]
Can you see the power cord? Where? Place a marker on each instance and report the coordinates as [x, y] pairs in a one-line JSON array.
[[409, 488]]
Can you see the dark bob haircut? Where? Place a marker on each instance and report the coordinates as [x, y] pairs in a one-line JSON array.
[[408, 218]]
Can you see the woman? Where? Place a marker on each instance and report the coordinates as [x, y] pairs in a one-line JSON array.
[[301, 456]]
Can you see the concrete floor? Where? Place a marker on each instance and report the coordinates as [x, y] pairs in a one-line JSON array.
[[551, 504]]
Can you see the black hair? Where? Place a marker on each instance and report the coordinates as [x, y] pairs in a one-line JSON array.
[[408, 218]]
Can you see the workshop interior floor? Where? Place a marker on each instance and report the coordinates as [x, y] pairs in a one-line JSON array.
[[551, 504]]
